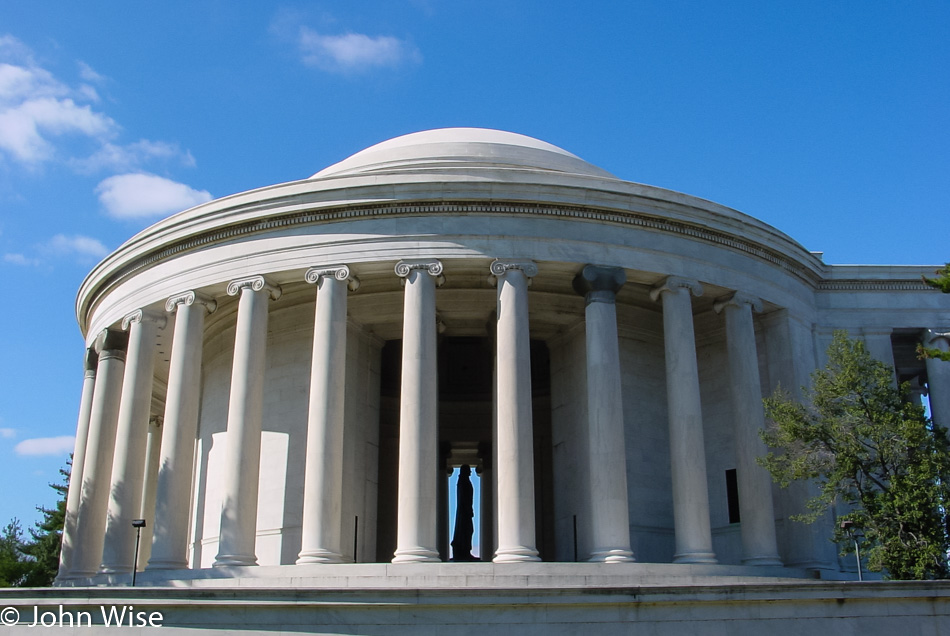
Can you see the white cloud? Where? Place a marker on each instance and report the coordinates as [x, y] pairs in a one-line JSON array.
[[12, 48], [18, 83], [38, 446], [77, 245], [141, 195], [89, 92], [89, 74], [132, 156], [7, 433], [35, 107], [24, 129], [354, 52], [40, 115], [19, 259]]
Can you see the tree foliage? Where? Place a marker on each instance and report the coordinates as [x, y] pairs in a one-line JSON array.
[[13, 565], [941, 282], [34, 562], [47, 539], [865, 445]]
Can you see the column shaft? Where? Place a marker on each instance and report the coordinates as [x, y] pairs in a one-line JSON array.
[[755, 485], [610, 518], [418, 417], [242, 458], [73, 496], [177, 462], [153, 454], [938, 377], [128, 469], [323, 480], [100, 450], [514, 431], [790, 344], [878, 343], [687, 446]]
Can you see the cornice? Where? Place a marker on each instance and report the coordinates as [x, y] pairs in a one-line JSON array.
[[856, 284], [102, 279]]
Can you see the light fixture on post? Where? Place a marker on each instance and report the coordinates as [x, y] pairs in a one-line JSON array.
[[138, 524], [848, 526]]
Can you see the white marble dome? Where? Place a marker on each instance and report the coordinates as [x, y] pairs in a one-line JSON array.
[[448, 148]]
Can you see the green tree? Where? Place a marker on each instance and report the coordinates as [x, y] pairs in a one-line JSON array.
[[47, 538], [941, 282], [13, 563], [867, 446], [35, 563]]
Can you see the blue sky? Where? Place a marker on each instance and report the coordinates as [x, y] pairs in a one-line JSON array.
[[828, 120]]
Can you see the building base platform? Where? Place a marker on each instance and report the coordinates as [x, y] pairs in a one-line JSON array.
[[482, 598]]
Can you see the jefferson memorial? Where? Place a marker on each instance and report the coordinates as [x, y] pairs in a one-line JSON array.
[[280, 382]]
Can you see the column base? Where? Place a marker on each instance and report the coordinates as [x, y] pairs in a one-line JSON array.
[[515, 555], [61, 578], [82, 574], [115, 569], [166, 565], [416, 555], [611, 555], [695, 557], [319, 556], [234, 560], [763, 560]]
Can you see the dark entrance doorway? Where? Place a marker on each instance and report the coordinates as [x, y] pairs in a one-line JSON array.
[[466, 386]]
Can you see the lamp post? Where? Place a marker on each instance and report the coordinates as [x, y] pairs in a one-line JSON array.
[[138, 524], [848, 526]]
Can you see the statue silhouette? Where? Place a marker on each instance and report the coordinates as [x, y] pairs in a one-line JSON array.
[[464, 513]]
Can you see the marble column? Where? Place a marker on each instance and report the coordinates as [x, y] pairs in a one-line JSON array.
[[755, 485], [610, 519], [514, 468], [877, 340], [177, 458], [323, 477], [100, 450], [242, 455], [128, 468], [153, 454], [938, 377], [790, 345], [90, 362], [691, 523], [416, 522]]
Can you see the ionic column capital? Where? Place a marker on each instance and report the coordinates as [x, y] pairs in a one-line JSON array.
[[337, 272], [500, 267], [432, 265], [934, 337], [254, 283], [140, 316], [90, 362], [190, 297], [675, 283], [156, 421], [738, 299], [599, 284], [111, 343]]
